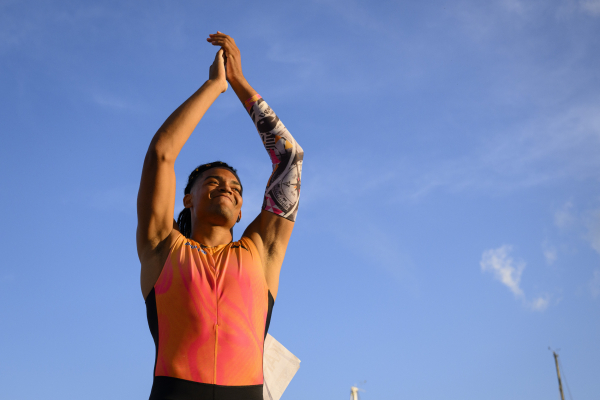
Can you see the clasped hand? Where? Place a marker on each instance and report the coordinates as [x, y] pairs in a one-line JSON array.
[[227, 66]]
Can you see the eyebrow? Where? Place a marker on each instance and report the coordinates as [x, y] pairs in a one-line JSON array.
[[220, 178]]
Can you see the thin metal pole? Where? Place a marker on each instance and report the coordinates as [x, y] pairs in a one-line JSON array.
[[562, 395]]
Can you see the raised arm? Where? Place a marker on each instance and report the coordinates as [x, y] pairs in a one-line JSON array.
[[156, 196], [272, 229]]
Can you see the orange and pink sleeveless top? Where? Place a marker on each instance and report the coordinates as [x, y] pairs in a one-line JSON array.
[[209, 313]]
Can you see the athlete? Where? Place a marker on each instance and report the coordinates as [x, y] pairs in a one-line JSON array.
[[209, 299]]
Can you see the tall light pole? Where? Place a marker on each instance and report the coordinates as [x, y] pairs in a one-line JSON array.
[[562, 395], [354, 393]]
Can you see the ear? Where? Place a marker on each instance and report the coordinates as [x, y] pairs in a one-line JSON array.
[[239, 217], [187, 201]]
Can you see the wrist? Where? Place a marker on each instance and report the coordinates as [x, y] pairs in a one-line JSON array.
[[242, 89], [219, 84], [237, 80]]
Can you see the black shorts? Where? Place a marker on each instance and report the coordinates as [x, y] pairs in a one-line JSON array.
[[166, 388]]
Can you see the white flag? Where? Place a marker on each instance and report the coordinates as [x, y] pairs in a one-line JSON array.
[[279, 367]]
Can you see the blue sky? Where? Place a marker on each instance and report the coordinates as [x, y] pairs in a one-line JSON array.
[[449, 227]]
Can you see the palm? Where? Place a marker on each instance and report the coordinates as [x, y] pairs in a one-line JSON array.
[[232, 54], [217, 70]]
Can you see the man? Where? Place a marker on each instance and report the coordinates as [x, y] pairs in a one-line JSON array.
[[209, 299]]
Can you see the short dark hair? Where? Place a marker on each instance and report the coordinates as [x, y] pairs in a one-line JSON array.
[[184, 220]]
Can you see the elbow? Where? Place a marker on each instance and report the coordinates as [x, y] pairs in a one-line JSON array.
[[161, 151], [299, 151]]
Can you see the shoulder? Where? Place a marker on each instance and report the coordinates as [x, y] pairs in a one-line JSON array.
[[246, 243], [153, 261]]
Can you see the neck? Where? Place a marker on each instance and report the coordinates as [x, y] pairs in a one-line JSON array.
[[211, 235]]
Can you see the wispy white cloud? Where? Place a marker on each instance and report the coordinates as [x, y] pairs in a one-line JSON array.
[[592, 7], [559, 137], [539, 303], [508, 271], [504, 268], [552, 144], [542, 151]]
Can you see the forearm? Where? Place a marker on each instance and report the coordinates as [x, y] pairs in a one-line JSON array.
[[242, 89], [176, 130], [283, 188]]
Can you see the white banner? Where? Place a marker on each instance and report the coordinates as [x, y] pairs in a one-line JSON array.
[[279, 367]]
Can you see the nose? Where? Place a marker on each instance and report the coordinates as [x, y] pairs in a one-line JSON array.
[[224, 187]]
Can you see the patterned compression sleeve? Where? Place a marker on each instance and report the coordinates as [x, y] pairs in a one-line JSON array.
[[283, 189]]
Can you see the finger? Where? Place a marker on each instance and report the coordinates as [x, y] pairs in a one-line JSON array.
[[215, 39], [224, 45], [222, 42], [219, 55], [219, 35], [213, 36]]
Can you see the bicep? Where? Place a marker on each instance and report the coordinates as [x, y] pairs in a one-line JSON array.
[[155, 203], [271, 235]]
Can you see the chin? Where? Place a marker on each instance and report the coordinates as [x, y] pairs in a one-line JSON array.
[[221, 214]]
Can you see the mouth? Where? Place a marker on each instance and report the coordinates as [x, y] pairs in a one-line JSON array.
[[227, 197]]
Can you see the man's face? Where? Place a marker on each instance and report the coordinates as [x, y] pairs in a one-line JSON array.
[[215, 198]]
